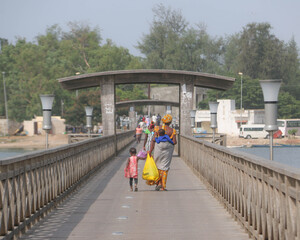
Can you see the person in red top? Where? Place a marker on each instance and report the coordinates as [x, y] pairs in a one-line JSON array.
[[138, 133]]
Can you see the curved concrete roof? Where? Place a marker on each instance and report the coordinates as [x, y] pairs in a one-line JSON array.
[[147, 102], [162, 76]]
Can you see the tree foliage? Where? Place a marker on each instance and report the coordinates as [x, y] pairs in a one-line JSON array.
[[32, 69]]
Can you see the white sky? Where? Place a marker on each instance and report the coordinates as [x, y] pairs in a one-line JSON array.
[[125, 21]]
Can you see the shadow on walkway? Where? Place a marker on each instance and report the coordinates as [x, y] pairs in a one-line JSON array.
[[73, 209]]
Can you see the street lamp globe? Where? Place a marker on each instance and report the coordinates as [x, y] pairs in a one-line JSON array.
[[89, 114], [47, 102], [213, 107], [270, 90], [193, 115]]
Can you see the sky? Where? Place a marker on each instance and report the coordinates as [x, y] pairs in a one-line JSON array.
[[125, 21]]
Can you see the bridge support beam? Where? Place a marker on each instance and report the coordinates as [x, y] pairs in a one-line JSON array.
[[132, 118], [186, 105], [107, 87]]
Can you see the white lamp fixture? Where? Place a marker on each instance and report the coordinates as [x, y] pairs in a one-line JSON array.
[[89, 114], [270, 90], [47, 102], [213, 107], [193, 115]]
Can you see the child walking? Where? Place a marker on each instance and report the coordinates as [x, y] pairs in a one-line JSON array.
[[131, 169]]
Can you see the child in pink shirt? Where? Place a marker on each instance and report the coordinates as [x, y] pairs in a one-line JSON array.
[[131, 169]]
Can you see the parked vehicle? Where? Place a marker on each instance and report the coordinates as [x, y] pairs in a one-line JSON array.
[[289, 124], [253, 131]]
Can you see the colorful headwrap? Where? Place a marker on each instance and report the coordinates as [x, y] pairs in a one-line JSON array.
[[167, 119]]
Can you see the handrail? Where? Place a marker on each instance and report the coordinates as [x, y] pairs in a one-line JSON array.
[[264, 196], [32, 184], [220, 138]]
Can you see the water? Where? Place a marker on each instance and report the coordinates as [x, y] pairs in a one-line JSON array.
[[13, 152], [286, 155]]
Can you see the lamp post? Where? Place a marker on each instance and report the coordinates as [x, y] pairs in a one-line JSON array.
[[193, 115], [5, 103], [270, 90], [241, 74], [47, 101], [89, 114], [213, 107]]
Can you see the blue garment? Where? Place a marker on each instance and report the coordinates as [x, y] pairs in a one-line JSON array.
[[164, 138]]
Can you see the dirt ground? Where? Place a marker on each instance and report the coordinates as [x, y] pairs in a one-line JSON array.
[[236, 141], [39, 141]]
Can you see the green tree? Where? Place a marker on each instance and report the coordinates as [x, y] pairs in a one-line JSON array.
[[288, 106], [76, 116], [167, 27], [173, 44], [252, 95]]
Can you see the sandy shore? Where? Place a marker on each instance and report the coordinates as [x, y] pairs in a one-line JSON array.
[[38, 142], [236, 141]]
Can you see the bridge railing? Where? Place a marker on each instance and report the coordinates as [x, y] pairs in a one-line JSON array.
[[263, 196], [77, 137], [32, 184], [220, 138]]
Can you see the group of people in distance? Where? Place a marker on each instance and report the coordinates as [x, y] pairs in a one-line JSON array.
[[159, 142]]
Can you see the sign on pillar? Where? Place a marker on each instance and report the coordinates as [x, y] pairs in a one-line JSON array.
[[108, 106], [186, 105]]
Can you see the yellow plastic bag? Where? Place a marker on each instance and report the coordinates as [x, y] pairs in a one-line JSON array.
[[150, 172]]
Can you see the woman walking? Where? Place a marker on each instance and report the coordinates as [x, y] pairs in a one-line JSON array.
[[163, 151], [149, 133], [138, 133]]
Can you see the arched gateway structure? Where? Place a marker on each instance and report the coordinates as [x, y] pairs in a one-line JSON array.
[[107, 81]]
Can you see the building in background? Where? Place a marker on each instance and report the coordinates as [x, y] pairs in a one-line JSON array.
[[229, 119], [13, 127], [35, 126]]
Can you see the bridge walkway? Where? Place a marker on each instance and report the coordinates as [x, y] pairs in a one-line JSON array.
[[104, 208]]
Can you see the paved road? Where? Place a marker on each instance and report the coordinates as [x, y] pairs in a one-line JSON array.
[[104, 208]]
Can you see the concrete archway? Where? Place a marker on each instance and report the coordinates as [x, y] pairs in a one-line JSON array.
[[107, 81]]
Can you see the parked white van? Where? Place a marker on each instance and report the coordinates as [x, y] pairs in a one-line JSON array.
[[253, 131]]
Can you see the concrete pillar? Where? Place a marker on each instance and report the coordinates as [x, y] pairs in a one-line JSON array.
[[186, 105], [107, 87], [132, 118]]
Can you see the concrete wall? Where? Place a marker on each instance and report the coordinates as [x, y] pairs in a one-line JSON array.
[[13, 126], [58, 125], [171, 93]]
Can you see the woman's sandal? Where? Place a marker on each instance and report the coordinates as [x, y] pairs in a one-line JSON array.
[[158, 187]]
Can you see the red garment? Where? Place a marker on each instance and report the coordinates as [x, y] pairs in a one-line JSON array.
[[131, 170]]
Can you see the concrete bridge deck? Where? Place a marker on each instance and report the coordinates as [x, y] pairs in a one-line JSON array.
[[104, 208]]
